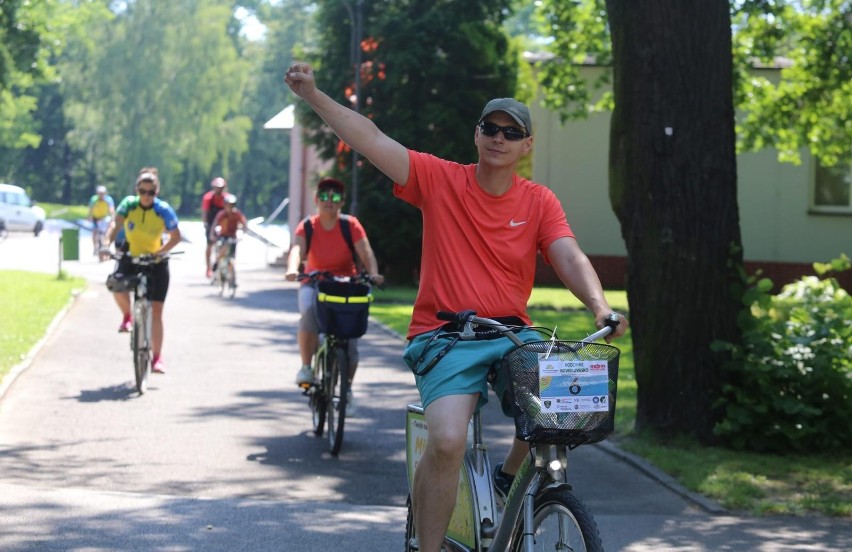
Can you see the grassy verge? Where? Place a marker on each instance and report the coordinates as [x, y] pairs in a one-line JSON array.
[[65, 212], [30, 302], [759, 484]]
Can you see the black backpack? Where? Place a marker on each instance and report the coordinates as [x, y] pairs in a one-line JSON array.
[[344, 228]]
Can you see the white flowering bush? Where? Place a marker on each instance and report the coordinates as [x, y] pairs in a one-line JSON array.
[[789, 384]]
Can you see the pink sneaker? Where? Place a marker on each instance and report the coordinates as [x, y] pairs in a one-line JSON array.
[[209, 273], [126, 324], [158, 366]]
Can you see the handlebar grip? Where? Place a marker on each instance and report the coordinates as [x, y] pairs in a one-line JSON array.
[[612, 321], [461, 317]]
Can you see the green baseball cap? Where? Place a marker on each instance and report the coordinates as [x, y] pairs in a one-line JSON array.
[[518, 111]]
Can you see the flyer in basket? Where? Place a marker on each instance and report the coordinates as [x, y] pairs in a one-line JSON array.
[[573, 385]]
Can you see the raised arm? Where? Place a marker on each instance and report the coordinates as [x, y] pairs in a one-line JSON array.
[[359, 132]]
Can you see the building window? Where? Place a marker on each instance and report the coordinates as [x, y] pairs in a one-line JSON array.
[[833, 189]]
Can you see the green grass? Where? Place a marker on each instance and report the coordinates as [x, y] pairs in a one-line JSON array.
[[65, 212], [30, 302], [759, 484]]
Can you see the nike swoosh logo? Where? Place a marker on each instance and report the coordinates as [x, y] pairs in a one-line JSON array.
[[513, 223]]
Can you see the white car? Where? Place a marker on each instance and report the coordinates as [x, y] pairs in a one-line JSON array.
[[18, 212]]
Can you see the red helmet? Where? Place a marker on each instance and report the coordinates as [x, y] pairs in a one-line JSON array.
[[218, 182]]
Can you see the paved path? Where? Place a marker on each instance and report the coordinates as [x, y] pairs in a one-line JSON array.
[[219, 454]]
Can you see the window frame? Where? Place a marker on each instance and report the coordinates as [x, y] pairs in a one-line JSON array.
[[828, 209]]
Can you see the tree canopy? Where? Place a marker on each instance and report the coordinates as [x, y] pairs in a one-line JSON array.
[[808, 107], [427, 70]]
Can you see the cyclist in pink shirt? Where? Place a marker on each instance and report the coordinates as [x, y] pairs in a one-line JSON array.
[[482, 228]]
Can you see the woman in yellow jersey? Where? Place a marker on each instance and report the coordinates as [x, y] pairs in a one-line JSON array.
[[145, 219]]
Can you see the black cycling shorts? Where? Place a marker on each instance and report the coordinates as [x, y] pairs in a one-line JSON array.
[[158, 279]]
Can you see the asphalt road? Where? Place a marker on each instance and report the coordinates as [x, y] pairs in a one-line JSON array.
[[219, 454]]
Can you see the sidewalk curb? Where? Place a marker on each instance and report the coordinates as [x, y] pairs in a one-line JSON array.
[[706, 504], [701, 501], [19, 368]]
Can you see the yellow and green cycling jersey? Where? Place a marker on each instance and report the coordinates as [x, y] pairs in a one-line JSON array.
[[100, 207], [144, 228]]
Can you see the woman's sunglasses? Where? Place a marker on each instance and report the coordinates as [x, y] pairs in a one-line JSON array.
[[332, 196], [151, 193], [509, 133]]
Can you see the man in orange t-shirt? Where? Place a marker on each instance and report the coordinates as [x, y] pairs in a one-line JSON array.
[[328, 252], [482, 228]]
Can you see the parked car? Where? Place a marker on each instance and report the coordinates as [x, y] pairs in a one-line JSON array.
[[18, 212]]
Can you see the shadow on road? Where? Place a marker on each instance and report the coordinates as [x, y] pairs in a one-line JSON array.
[[109, 393]]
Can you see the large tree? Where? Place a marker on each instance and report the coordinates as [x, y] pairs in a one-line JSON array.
[[261, 176], [32, 35], [677, 72], [673, 187], [163, 88]]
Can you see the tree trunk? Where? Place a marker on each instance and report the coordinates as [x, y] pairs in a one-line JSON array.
[[673, 187]]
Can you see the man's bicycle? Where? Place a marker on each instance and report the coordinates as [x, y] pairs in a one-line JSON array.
[[343, 307], [225, 276], [140, 333], [563, 396], [99, 230]]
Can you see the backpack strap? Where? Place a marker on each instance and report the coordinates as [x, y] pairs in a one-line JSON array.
[[346, 230], [309, 231]]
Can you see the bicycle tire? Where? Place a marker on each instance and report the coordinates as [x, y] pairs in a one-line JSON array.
[[232, 277], [409, 526], [141, 348], [221, 278], [317, 395], [338, 378], [556, 506]]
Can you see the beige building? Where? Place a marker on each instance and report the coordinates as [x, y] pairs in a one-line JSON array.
[[790, 215]]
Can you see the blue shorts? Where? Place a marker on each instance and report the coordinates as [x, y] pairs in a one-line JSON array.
[[465, 368]]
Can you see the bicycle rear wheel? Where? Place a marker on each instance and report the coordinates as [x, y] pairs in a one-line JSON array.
[[317, 395], [338, 388], [561, 522], [141, 347]]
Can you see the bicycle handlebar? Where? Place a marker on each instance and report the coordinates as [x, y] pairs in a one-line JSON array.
[[317, 275], [147, 258], [467, 318]]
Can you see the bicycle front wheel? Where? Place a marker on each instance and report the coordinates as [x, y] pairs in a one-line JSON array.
[[561, 522], [141, 348], [222, 277], [232, 277], [337, 390], [317, 394]]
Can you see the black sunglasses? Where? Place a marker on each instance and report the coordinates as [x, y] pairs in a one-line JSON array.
[[333, 196], [509, 133], [151, 193]]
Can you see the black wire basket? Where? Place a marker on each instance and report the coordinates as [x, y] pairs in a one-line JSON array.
[[562, 392]]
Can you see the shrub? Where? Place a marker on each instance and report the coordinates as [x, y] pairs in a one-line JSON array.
[[788, 386]]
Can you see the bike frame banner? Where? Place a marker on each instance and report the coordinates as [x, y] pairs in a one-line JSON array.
[[461, 528]]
